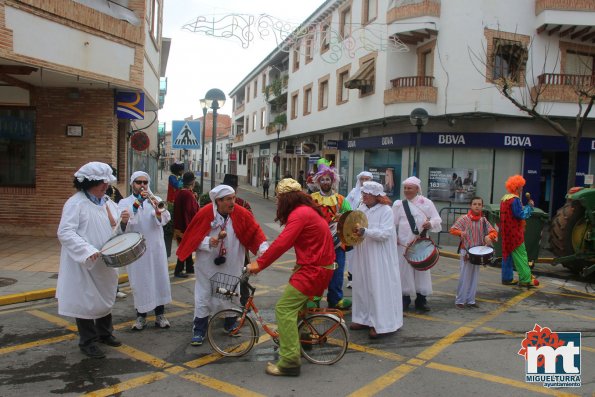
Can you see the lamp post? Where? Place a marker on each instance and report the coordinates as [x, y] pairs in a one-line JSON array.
[[203, 105], [418, 118], [215, 99], [277, 158]]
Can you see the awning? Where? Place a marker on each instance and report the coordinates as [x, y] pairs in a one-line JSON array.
[[511, 50], [364, 76]]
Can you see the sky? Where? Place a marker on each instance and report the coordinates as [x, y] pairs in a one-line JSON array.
[[198, 62]]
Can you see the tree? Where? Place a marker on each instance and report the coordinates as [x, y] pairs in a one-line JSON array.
[[507, 62]]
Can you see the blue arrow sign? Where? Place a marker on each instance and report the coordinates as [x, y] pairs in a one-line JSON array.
[[185, 134]]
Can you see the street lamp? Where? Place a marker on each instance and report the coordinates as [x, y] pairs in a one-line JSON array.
[[203, 105], [215, 99], [418, 118], [277, 158]]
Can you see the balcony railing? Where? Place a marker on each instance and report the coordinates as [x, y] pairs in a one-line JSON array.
[[411, 89], [564, 5], [413, 81], [577, 80], [413, 9]]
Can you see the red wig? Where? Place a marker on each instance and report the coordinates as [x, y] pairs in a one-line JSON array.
[[514, 182]]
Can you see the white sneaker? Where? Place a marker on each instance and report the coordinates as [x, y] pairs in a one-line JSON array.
[[121, 295], [140, 323], [161, 321], [349, 284]]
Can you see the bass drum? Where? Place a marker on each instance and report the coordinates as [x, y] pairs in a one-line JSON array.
[[422, 254]]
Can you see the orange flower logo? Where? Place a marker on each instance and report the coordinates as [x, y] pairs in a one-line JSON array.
[[539, 337]]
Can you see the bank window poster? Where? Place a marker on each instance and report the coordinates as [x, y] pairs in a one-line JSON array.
[[386, 177], [457, 185]]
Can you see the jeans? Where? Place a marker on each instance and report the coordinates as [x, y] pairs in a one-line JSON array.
[[335, 287]]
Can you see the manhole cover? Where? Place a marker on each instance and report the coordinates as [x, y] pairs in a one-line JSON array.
[[6, 281]]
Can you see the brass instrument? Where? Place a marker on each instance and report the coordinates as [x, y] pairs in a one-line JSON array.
[[348, 223], [159, 204]]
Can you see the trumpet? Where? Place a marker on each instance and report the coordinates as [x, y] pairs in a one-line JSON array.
[[159, 204]]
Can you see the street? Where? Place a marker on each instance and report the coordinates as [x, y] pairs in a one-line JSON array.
[[446, 352]]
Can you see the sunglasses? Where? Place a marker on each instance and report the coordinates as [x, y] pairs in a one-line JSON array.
[[141, 182]]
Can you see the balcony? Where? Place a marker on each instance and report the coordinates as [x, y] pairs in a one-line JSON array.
[[238, 138], [413, 9], [561, 87], [572, 19], [411, 89], [239, 109], [276, 89], [272, 128]]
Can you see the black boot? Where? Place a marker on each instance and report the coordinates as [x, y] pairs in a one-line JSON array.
[[421, 304], [406, 302], [178, 270], [189, 265]]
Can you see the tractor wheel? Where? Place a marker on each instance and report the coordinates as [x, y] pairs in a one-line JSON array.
[[567, 233]]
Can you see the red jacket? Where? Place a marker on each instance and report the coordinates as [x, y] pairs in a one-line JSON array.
[[185, 207], [310, 235]]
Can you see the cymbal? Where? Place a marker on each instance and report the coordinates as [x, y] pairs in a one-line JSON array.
[[351, 220]]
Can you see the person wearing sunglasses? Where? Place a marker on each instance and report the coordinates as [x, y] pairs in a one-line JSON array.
[[148, 275]]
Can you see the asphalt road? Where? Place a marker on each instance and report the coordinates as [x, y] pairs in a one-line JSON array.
[[447, 352]]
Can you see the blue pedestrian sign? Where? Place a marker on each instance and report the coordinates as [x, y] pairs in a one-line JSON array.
[[185, 134]]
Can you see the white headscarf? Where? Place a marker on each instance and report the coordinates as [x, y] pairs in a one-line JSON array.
[[412, 180], [95, 171], [135, 175], [218, 192], [354, 196], [373, 188]]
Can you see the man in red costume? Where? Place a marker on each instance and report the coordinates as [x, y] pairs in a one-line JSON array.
[[220, 233], [307, 231], [512, 230]]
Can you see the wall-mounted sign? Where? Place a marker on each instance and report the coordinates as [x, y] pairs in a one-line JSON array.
[[74, 130], [140, 141], [130, 105]]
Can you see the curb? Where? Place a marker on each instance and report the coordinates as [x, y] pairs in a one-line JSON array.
[[48, 293]]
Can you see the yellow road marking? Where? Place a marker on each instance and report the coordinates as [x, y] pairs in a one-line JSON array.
[[41, 342], [26, 308], [444, 279], [142, 356], [175, 370], [432, 318], [129, 384], [497, 379], [59, 321], [376, 352], [220, 386], [199, 362], [397, 373], [128, 324], [183, 305], [380, 383]]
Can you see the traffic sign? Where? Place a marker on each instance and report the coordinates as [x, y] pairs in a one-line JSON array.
[[185, 134]]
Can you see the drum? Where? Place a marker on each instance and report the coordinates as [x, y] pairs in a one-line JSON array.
[[422, 254], [123, 249], [480, 255]]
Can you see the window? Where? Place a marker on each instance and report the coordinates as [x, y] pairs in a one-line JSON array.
[[153, 18], [247, 124], [342, 91], [345, 22], [509, 60], [245, 157], [325, 36], [263, 116], [370, 11], [309, 45], [427, 59], [255, 88], [579, 64], [247, 93], [296, 57], [323, 93], [17, 147], [308, 99], [264, 82], [294, 105], [253, 121]]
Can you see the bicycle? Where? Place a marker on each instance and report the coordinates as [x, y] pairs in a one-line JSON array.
[[233, 332]]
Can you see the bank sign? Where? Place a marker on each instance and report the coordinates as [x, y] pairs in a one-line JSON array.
[[493, 140]]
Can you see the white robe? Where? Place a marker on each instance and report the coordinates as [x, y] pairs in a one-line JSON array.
[[148, 275], [376, 296], [86, 289], [414, 281], [205, 268]]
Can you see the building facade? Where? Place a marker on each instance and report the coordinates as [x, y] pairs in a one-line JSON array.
[[344, 85], [62, 65]]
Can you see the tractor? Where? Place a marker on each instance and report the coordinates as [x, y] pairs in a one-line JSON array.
[[572, 232]]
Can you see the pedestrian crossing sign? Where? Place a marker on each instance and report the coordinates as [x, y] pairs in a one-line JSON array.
[[185, 134]]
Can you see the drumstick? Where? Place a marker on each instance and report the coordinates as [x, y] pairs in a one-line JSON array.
[[112, 246]]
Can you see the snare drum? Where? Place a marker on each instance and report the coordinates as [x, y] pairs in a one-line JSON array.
[[123, 249], [481, 255], [422, 254]]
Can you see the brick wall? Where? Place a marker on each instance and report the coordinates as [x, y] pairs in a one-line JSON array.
[[37, 211], [423, 8], [564, 5]]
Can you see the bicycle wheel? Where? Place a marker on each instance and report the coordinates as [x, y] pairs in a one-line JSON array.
[[323, 338], [229, 335]]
